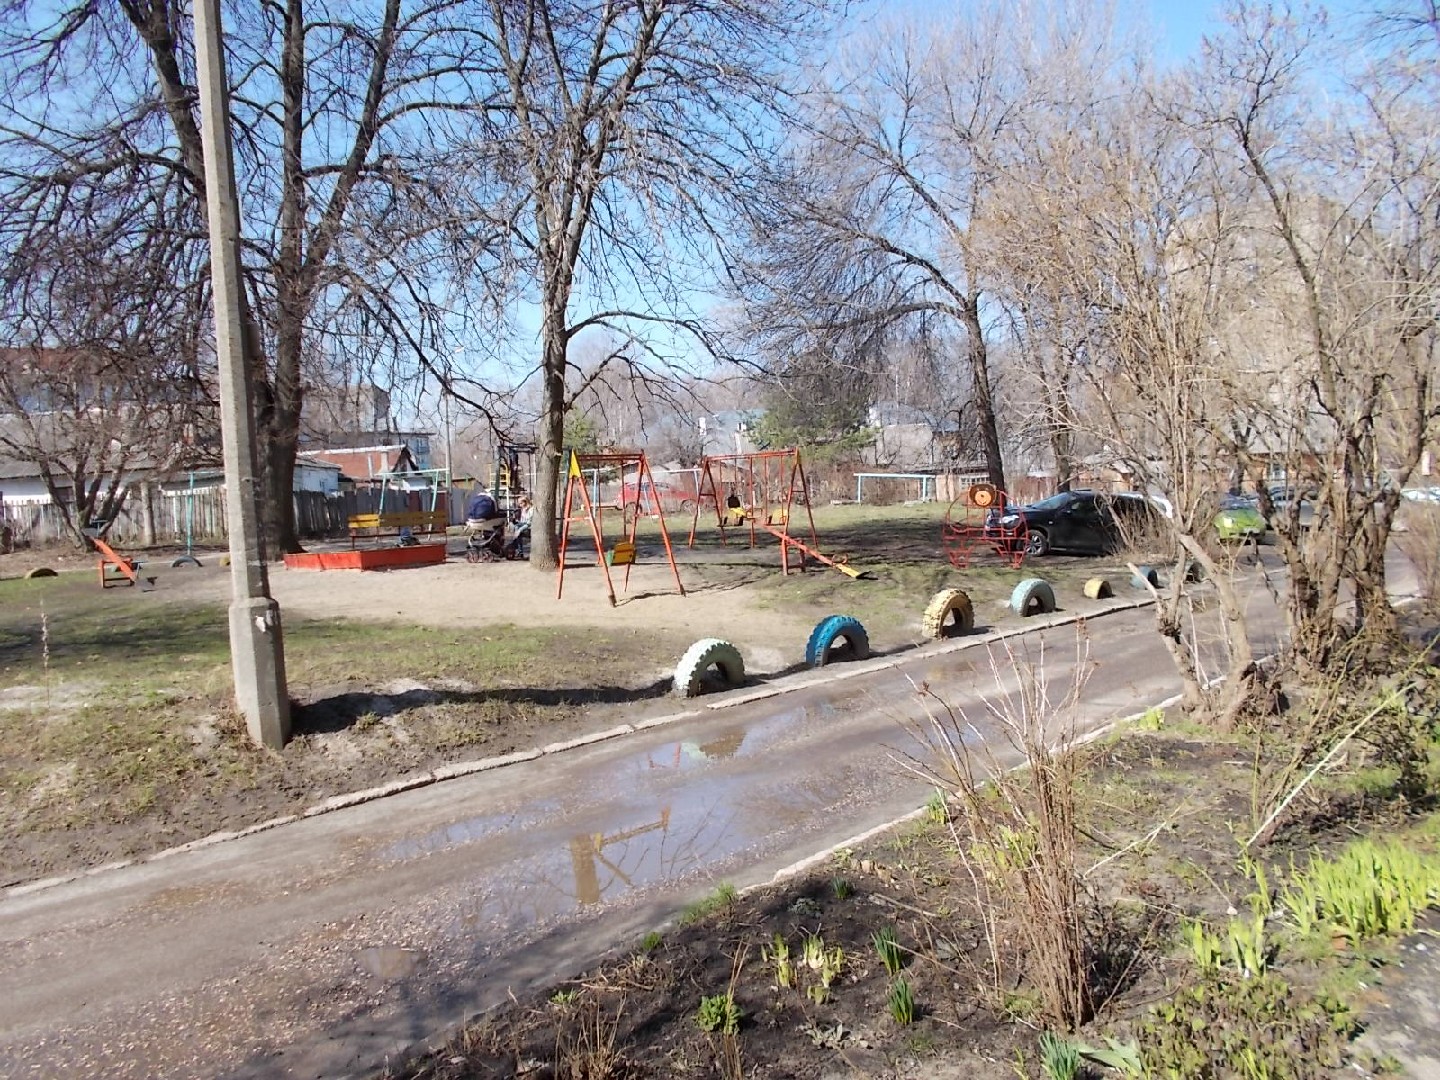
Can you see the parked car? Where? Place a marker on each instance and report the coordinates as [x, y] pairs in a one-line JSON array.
[[1239, 518], [1083, 522], [1281, 498]]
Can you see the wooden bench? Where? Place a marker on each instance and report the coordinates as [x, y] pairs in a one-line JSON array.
[[393, 522]]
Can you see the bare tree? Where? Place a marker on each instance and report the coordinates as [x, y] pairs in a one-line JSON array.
[[619, 133], [339, 114], [105, 378], [1344, 236], [896, 197]]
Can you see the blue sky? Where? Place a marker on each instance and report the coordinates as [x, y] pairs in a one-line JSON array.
[[1180, 25]]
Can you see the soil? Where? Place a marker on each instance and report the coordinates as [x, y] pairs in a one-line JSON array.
[[151, 755], [635, 1016]]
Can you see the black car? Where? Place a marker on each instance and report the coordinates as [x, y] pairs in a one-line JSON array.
[[1083, 522]]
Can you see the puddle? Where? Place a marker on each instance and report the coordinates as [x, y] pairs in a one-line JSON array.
[[388, 962], [692, 833], [654, 819], [460, 833]]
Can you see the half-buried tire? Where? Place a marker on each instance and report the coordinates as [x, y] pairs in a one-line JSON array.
[[949, 614], [1097, 588], [708, 661], [1145, 576], [41, 571], [822, 646], [1033, 596]]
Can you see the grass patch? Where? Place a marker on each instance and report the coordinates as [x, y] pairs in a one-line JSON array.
[[723, 898], [125, 739]]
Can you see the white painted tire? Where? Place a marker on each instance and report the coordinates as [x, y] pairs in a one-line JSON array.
[[1033, 596], [704, 655]]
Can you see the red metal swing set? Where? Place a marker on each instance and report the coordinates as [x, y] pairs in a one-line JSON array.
[[758, 493], [581, 508]]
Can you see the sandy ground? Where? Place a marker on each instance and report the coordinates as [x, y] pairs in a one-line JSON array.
[[461, 594]]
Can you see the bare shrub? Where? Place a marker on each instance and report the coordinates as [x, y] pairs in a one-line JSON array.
[[1419, 540], [585, 1043], [1352, 721], [1015, 830]]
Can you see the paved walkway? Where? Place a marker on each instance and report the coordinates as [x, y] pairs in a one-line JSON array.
[[320, 947]]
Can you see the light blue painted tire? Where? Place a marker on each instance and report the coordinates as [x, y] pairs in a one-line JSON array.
[[1147, 576], [1033, 596], [830, 630], [705, 654]]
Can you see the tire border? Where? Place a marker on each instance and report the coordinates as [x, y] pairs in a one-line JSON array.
[[827, 631], [1029, 591], [700, 657], [1099, 588], [938, 611]]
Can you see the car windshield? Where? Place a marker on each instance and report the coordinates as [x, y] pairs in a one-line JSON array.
[[1237, 502], [1054, 502]]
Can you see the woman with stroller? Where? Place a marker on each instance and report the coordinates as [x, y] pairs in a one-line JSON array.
[[484, 527], [518, 546]]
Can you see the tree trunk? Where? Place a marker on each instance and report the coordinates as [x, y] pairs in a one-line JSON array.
[[1061, 441], [983, 397], [544, 542], [278, 421], [1235, 696], [147, 514]]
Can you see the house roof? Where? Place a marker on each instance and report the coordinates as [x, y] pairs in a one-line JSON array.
[[366, 462]]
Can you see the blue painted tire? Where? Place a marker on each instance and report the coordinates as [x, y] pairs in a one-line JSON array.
[[700, 658], [1146, 576], [831, 630], [1033, 596]]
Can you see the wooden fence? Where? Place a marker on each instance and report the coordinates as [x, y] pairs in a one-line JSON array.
[[168, 517]]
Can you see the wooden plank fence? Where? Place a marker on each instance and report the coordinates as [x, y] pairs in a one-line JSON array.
[[201, 514]]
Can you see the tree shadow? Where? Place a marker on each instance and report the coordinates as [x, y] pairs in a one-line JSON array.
[[339, 712]]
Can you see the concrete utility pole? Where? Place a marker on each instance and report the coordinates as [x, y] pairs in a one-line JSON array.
[[257, 647]]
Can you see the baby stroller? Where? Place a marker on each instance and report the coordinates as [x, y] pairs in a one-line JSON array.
[[485, 540]]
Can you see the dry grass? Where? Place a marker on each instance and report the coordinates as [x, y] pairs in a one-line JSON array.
[[1015, 833]]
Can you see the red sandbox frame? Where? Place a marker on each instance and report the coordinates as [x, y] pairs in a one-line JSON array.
[[386, 558]]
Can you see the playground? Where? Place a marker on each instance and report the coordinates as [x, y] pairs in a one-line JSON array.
[[114, 701]]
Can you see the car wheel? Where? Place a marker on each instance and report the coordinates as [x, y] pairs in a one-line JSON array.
[[1038, 543]]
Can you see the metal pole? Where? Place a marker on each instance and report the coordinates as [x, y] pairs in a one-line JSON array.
[[257, 648]]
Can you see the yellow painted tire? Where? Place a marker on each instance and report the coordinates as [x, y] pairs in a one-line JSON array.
[[949, 614], [1097, 588]]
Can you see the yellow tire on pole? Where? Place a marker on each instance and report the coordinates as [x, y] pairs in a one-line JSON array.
[[949, 614], [1097, 588]]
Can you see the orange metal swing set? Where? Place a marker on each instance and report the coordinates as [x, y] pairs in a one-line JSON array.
[[758, 492], [581, 508]]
